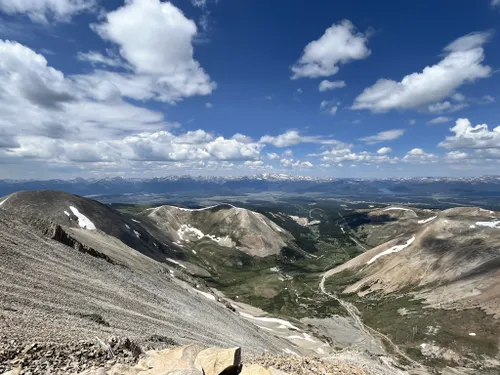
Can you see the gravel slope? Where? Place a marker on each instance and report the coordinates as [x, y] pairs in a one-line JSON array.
[[49, 291]]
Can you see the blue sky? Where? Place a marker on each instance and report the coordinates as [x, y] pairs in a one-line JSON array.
[[143, 88]]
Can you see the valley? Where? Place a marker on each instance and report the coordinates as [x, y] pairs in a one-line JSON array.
[[406, 288]]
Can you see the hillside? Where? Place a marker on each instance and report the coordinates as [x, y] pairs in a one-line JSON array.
[[225, 225], [433, 287]]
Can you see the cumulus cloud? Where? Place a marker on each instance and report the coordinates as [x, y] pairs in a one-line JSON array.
[[461, 64], [472, 137], [291, 163], [43, 11], [343, 152], [331, 85], [388, 135], [273, 156], [456, 156], [293, 137], [340, 44], [208, 105], [419, 156], [384, 151], [439, 120], [160, 51], [446, 106]]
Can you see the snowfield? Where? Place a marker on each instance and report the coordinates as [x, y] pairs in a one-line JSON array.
[[83, 221], [394, 249], [427, 220], [398, 209], [489, 224]]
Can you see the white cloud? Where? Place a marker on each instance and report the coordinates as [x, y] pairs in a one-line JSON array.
[[343, 152], [208, 105], [299, 91], [339, 44], [331, 85], [446, 106], [439, 120], [462, 64], [419, 156], [384, 151], [288, 153], [272, 156], [412, 122], [329, 106], [254, 163], [388, 135], [291, 163], [44, 10], [293, 137], [95, 58], [472, 137], [495, 3], [156, 39], [455, 156]]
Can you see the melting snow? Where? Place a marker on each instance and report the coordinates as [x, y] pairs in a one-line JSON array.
[[267, 329], [427, 220], [135, 221], [393, 249], [472, 227], [398, 208], [187, 230], [282, 322], [2, 202], [342, 229], [67, 213], [126, 226], [83, 221], [304, 337], [137, 234], [194, 252], [175, 262], [490, 224], [472, 334]]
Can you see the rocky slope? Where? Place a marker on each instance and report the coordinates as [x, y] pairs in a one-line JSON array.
[[51, 292], [456, 249], [223, 225]]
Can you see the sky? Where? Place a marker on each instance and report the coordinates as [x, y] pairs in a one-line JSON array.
[[143, 88]]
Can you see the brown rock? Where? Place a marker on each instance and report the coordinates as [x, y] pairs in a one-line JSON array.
[[214, 361]]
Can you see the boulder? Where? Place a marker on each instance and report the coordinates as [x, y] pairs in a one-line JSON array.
[[214, 361]]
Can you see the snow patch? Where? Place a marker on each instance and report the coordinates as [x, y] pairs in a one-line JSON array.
[[127, 226], [426, 220], [175, 262], [83, 221], [304, 336], [194, 252], [186, 233], [137, 234], [472, 227], [472, 334], [398, 209], [5, 200], [67, 213], [489, 224], [135, 221], [282, 322], [394, 249]]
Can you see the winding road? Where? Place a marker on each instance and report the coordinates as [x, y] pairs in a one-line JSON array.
[[352, 311]]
